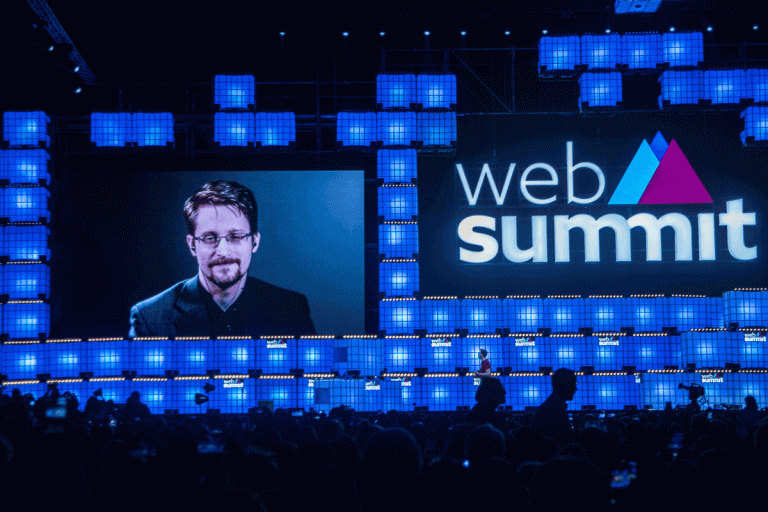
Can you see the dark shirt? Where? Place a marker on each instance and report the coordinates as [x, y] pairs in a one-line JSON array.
[[235, 321], [552, 418]]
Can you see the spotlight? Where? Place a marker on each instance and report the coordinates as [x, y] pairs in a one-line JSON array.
[[507, 32], [754, 27], [671, 29], [709, 28], [463, 32], [345, 34], [282, 34], [545, 31], [607, 31], [382, 34], [426, 32]]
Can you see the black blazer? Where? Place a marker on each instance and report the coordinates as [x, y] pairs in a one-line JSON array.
[[180, 311]]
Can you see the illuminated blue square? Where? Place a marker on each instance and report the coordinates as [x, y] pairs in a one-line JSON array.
[[273, 355], [609, 351], [682, 48], [275, 129], [391, 396], [233, 128], [26, 128], [654, 352], [315, 355], [365, 354], [470, 348], [749, 352], [24, 165], [26, 321], [746, 308], [237, 400], [481, 316], [281, 392], [600, 52], [440, 353], [725, 85], [348, 392], [305, 393], [26, 242], [65, 359], [755, 123], [236, 356], [526, 391], [356, 129], [26, 281], [193, 357], [565, 352], [647, 313], [437, 128], [608, 314], [398, 316], [114, 130], [681, 87], [25, 204], [610, 392], [688, 313], [398, 240], [708, 349], [436, 91], [24, 361], [182, 396], [396, 128], [398, 279], [657, 389], [153, 129], [440, 315], [152, 357], [396, 165], [154, 394], [559, 53], [523, 315], [757, 84], [234, 92], [566, 315], [398, 202], [395, 91], [402, 354], [600, 89], [108, 358], [446, 393], [755, 384], [641, 50], [523, 352]]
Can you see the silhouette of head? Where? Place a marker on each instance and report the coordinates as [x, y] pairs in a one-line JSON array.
[[564, 383], [750, 402]]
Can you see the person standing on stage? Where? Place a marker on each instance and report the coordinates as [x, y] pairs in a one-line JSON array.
[[485, 364]]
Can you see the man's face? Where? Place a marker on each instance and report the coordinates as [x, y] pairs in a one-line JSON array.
[[225, 264]]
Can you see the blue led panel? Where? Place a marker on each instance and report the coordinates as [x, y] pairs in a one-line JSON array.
[[608, 313], [708, 349], [275, 355], [437, 128], [398, 202], [182, 395], [755, 123], [446, 393], [609, 351], [395, 91], [525, 392], [601, 51], [523, 352], [600, 89], [25, 204], [281, 392], [656, 389], [396, 128], [233, 128], [24, 165], [682, 48], [108, 358], [117, 391], [648, 313], [275, 129], [398, 279], [234, 92], [348, 392], [402, 353], [26, 280], [566, 315], [482, 315], [193, 357], [725, 85], [610, 392], [26, 320], [23, 361], [565, 352], [26, 128], [750, 348], [152, 357], [398, 316], [236, 396], [641, 50], [112, 129], [441, 353], [470, 347], [747, 308], [755, 384], [396, 165], [236, 356], [559, 53], [436, 91], [356, 129], [391, 394], [315, 355], [399, 240], [757, 84], [688, 313], [524, 314], [364, 354], [154, 394], [65, 359], [654, 352], [440, 315], [721, 389], [313, 393], [681, 87], [26, 242], [373, 394], [153, 129]]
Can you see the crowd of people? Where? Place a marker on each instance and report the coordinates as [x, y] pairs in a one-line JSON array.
[[119, 457]]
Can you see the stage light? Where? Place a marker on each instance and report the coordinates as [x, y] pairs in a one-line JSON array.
[[275, 129], [234, 92], [396, 128], [725, 86], [282, 34], [356, 129], [607, 31], [641, 51], [345, 34], [463, 32], [26, 128], [757, 85], [111, 129], [754, 27], [600, 89], [426, 32], [395, 91], [507, 32], [153, 129], [233, 128], [755, 124], [709, 28], [382, 34], [436, 91], [671, 29], [680, 87], [24, 165], [559, 53], [600, 51], [437, 128], [545, 31], [683, 49]]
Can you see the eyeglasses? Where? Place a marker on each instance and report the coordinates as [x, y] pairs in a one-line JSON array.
[[214, 240]]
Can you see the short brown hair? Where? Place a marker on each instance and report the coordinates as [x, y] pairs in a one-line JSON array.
[[226, 193]]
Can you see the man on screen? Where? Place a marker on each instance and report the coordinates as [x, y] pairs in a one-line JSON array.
[[222, 300]]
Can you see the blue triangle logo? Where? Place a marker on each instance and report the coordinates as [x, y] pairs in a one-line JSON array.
[[638, 175]]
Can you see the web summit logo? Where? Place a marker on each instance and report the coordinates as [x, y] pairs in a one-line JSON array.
[[659, 174]]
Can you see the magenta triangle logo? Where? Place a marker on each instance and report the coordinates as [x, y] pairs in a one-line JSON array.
[[660, 174]]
